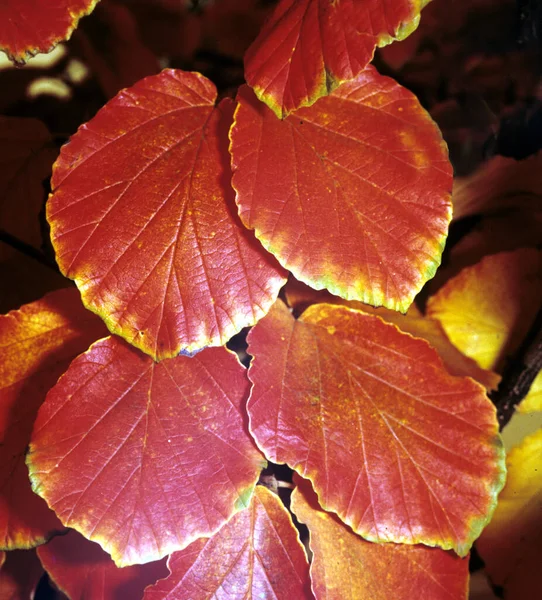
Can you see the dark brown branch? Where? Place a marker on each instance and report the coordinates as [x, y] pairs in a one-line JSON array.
[[27, 250], [520, 373]]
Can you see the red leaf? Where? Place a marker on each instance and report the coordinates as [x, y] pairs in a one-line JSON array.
[[33, 26], [143, 219], [145, 457], [19, 575], [309, 47], [346, 566], [37, 344], [373, 419], [81, 569], [362, 204], [299, 297], [256, 555]]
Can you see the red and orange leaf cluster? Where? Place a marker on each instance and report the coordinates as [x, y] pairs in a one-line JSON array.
[[151, 441]]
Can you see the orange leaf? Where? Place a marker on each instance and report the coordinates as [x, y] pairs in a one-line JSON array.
[[37, 344], [143, 219], [397, 447], [357, 211], [346, 566]]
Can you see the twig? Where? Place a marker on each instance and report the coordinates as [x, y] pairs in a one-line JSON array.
[[520, 373], [27, 250]]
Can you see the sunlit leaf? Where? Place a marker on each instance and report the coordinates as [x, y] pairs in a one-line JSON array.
[[533, 401], [346, 567], [145, 457], [355, 210], [82, 570], [256, 555], [511, 546], [37, 344], [487, 309], [309, 47], [26, 159], [19, 575], [143, 218], [27, 28], [300, 296], [398, 448]]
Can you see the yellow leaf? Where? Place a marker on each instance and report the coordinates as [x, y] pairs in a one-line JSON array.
[[511, 545], [487, 309]]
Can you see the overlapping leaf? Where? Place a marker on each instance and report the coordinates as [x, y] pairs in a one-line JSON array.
[[27, 28], [145, 457], [81, 569], [143, 218], [300, 296], [346, 567], [112, 48], [499, 184], [355, 210], [256, 555], [37, 344], [19, 575], [533, 401], [511, 546], [397, 447], [487, 309], [503, 231], [26, 158], [309, 47]]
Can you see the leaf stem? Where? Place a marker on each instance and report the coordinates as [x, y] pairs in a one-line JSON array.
[[519, 373]]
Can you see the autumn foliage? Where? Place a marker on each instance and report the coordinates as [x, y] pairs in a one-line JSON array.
[[251, 315]]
